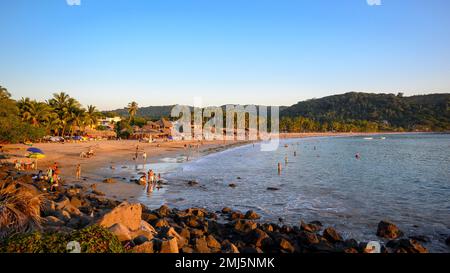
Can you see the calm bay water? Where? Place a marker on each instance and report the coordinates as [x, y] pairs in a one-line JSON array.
[[403, 178]]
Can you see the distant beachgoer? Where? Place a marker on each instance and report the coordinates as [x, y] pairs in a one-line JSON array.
[[136, 154], [286, 160], [144, 156], [295, 153], [78, 172]]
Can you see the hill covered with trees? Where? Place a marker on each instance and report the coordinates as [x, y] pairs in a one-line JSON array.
[[369, 112]]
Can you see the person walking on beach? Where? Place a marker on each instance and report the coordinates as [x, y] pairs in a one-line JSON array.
[[136, 153], [78, 172]]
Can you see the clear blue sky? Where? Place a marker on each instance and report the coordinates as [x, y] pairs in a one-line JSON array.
[[274, 52]]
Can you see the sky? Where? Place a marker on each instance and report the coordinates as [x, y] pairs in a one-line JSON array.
[[271, 52]]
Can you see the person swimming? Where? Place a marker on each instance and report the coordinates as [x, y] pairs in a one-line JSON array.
[[358, 156]]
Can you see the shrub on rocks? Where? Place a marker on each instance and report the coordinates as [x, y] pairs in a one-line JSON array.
[[93, 239]]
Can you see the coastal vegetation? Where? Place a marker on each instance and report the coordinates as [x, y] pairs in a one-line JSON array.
[[62, 115]]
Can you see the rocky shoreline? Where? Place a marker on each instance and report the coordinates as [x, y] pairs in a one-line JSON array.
[[134, 228]]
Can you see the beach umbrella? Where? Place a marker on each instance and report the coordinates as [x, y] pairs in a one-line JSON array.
[[35, 151], [36, 156]]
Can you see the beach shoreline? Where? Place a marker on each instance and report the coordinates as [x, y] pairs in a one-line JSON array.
[[115, 154]]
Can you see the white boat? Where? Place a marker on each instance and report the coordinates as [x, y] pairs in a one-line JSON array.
[[368, 138]]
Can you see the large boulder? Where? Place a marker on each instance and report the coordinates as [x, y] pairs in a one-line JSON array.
[[121, 232], [257, 237], [331, 235], [406, 246], [129, 215], [201, 245], [286, 246], [212, 242], [388, 230], [311, 227], [244, 226], [170, 232], [252, 215], [145, 229], [307, 238], [169, 245], [146, 247]]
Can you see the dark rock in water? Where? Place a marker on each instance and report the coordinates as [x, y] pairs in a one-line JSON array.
[[420, 238], [98, 193], [109, 181], [232, 185], [311, 227], [239, 178], [226, 210], [331, 235], [237, 215], [448, 241], [192, 183], [388, 230], [244, 226], [164, 211], [252, 215], [308, 238], [273, 189], [406, 246]]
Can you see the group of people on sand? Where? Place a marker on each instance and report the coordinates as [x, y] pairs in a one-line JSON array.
[[51, 176]]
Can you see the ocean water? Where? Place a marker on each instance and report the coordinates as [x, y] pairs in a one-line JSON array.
[[402, 178]]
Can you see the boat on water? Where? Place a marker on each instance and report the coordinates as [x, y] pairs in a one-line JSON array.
[[368, 138]]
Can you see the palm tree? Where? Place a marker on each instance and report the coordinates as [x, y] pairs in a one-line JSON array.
[[132, 109], [36, 113], [91, 116]]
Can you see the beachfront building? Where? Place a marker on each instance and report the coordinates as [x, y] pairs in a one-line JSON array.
[[109, 122]]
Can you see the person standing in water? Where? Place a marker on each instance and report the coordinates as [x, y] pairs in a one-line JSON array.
[[151, 180], [358, 156], [78, 172]]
